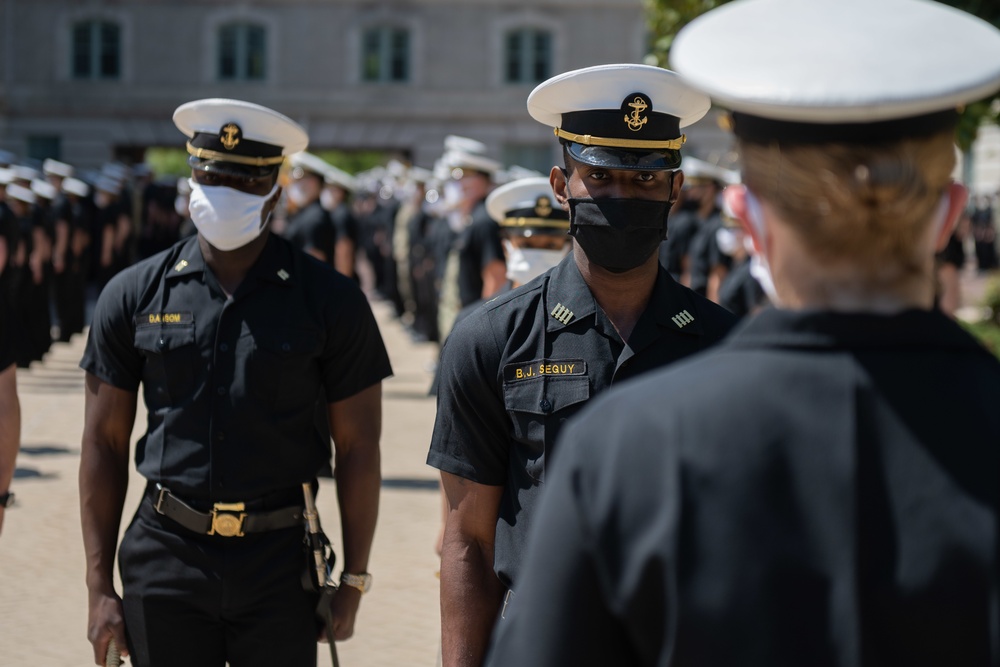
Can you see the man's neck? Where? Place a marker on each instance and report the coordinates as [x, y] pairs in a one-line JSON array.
[[622, 296], [231, 267]]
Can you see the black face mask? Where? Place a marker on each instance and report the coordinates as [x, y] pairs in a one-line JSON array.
[[618, 234]]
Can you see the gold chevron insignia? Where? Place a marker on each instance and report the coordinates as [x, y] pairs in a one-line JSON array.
[[229, 137], [180, 265], [682, 319], [562, 313]]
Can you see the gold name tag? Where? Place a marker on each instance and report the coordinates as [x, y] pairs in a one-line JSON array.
[[540, 367], [164, 318]]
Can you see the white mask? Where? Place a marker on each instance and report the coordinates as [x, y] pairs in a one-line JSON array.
[[227, 218], [760, 269], [297, 194], [327, 200], [727, 241], [526, 264], [181, 206]]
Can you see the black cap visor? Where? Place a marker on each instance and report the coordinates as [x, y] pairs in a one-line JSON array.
[[232, 168], [622, 158]]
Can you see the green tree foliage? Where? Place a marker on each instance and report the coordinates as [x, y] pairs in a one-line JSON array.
[[667, 17]]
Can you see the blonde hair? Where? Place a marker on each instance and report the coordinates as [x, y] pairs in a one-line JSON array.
[[863, 206]]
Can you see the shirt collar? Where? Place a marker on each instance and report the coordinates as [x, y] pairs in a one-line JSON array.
[[825, 329], [274, 264], [569, 299]]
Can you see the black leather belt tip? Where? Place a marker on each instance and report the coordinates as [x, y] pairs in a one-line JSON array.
[[225, 519]]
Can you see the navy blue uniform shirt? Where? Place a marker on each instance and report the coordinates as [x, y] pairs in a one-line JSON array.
[[231, 385], [518, 367], [821, 489]]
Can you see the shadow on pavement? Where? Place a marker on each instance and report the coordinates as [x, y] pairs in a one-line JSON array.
[[410, 484]]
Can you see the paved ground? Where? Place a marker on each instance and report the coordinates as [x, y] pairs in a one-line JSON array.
[[42, 593]]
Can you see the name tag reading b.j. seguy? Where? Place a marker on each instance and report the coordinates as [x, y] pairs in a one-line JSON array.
[[540, 367]]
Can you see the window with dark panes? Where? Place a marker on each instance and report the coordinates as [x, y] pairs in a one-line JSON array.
[[385, 55], [242, 52], [96, 50], [527, 56]]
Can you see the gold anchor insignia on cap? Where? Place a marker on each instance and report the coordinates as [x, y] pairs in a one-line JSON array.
[[543, 207], [562, 313], [636, 120], [283, 274], [682, 319], [230, 135], [181, 265]]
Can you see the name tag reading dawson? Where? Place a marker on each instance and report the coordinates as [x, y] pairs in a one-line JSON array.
[[151, 319], [539, 367]]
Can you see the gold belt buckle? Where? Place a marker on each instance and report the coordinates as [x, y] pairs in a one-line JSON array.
[[227, 519]]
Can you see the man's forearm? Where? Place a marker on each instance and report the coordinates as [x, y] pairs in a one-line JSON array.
[[10, 426], [471, 596], [103, 483], [359, 480]]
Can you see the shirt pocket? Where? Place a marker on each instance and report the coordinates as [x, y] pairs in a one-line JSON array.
[[538, 408], [172, 360], [284, 369]]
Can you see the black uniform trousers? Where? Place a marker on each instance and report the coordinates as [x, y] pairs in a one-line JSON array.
[[202, 601]]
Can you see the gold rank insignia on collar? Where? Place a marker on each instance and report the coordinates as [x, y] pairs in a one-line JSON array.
[[562, 313], [682, 319], [181, 265], [283, 274]]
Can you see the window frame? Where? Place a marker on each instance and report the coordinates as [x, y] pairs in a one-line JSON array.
[[529, 54], [96, 30], [388, 54], [243, 58]]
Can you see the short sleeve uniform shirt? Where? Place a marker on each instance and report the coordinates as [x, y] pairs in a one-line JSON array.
[[841, 508], [312, 229], [518, 367], [478, 245], [232, 384]]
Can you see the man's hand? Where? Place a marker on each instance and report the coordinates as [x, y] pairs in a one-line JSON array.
[[343, 611], [105, 621]]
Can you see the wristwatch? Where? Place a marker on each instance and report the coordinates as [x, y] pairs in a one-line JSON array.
[[363, 581], [6, 499]]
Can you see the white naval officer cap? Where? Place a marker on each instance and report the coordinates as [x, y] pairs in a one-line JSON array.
[[306, 163], [237, 137], [839, 70], [621, 116], [75, 186], [6, 175], [527, 207], [699, 170], [25, 173], [108, 184], [20, 193], [459, 162], [340, 178], [454, 142], [57, 168], [44, 189]]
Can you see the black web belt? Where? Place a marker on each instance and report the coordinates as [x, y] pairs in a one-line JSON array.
[[225, 519]]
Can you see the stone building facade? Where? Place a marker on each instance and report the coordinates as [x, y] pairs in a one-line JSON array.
[[87, 81]]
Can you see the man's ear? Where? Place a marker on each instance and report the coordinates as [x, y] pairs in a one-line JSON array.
[[558, 178], [958, 197], [735, 198]]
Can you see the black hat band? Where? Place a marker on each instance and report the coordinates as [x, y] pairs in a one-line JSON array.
[[763, 130], [233, 147]]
